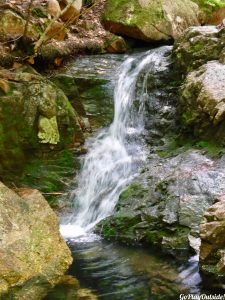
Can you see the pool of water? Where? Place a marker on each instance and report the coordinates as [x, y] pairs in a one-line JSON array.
[[117, 272]]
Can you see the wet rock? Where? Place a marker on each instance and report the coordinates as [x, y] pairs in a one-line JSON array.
[[201, 104], [212, 229], [155, 21], [33, 254], [68, 84], [167, 202]]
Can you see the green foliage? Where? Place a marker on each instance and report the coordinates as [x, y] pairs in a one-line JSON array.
[[88, 2], [215, 3], [209, 5], [39, 12]]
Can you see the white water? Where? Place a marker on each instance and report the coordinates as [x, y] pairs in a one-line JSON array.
[[115, 156]]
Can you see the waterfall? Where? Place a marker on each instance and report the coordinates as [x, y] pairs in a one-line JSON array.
[[115, 156]]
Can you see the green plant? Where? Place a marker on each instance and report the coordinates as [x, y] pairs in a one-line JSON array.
[[209, 5], [212, 149]]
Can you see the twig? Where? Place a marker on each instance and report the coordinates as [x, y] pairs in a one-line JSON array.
[[68, 22], [55, 194], [28, 19], [10, 41], [41, 40]]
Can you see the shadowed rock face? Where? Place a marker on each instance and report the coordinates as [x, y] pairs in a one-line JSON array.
[[33, 254], [150, 20]]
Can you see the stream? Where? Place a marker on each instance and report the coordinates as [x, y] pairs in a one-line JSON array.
[[116, 154]]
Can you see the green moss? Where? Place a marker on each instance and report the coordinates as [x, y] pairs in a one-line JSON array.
[[197, 47], [39, 12], [212, 149], [178, 144], [121, 10], [188, 118], [209, 269], [209, 6], [121, 227], [154, 237], [181, 143], [109, 232], [133, 191], [48, 174]]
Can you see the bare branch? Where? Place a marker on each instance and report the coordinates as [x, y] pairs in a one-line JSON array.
[[41, 40], [28, 19], [67, 24]]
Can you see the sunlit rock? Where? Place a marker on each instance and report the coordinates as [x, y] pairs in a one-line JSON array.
[[212, 231], [53, 8], [202, 101], [197, 46], [150, 20], [33, 254]]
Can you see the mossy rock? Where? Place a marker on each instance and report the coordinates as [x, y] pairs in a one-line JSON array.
[[150, 21], [33, 112]]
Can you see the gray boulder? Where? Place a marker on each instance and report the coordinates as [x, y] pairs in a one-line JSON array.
[[165, 205]]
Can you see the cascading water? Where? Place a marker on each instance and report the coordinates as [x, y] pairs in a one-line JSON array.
[[115, 156]]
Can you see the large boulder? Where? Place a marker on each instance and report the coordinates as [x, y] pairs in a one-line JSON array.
[[202, 102], [197, 46], [212, 230], [166, 203], [33, 111], [33, 254], [150, 20]]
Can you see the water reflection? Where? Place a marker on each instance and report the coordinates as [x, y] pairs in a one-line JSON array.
[[116, 272]]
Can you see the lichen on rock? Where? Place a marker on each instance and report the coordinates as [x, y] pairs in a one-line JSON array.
[[48, 130]]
